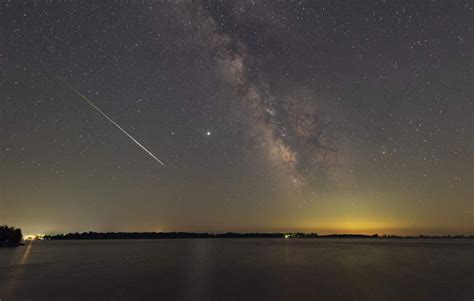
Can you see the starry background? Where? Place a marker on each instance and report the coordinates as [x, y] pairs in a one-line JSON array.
[[324, 116]]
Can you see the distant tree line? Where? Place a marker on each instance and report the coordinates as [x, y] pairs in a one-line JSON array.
[[157, 235], [10, 236], [176, 235]]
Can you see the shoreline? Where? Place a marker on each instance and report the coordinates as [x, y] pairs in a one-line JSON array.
[[191, 235]]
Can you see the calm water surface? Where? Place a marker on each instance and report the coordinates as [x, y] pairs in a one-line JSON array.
[[239, 269]]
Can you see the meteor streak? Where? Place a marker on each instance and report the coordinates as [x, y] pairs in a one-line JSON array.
[[114, 123]]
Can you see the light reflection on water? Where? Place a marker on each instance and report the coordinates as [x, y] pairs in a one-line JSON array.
[[18, 267], [26, 254], [239, 269]]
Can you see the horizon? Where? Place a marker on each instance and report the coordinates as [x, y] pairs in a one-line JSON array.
[[411, 233]]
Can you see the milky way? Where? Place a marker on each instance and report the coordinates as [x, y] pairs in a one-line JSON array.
[[293, 130]]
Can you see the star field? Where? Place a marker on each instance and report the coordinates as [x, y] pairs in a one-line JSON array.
[[324, 116]]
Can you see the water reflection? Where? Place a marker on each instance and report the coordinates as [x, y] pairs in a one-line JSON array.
[[26, 254], [238, 269], [17, 268], [198, 270]]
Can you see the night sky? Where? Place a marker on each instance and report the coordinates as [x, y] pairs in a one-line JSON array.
[[323, 116]]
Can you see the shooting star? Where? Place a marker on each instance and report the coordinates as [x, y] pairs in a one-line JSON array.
[[114, 123]]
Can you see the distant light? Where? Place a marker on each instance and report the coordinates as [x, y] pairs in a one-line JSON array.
[[208, 133], [34, 237], [287, 236]]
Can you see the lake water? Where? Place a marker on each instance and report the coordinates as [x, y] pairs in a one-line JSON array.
[[239, 269]]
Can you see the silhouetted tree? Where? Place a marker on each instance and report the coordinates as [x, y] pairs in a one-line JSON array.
[[10, 235]]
